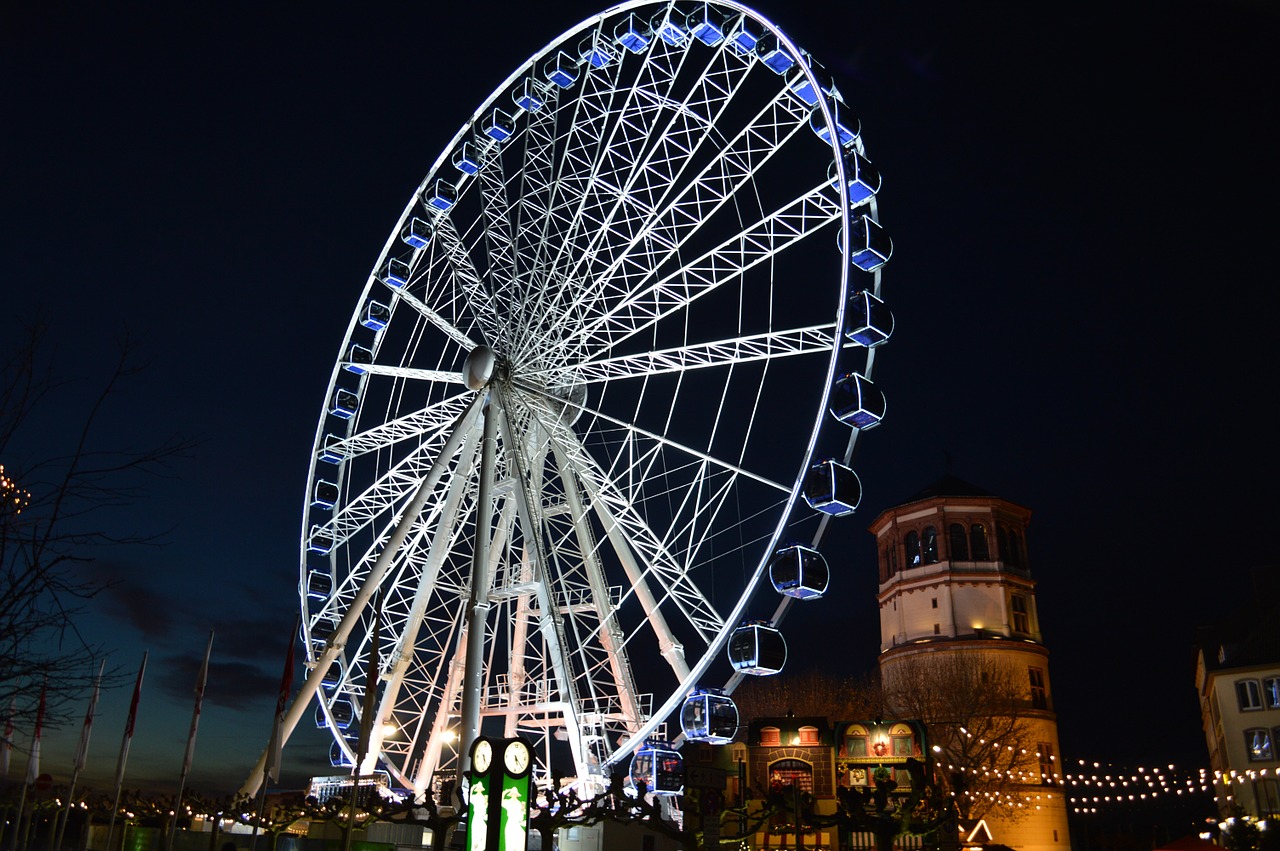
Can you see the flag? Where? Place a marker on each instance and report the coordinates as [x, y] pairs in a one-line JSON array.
[[82, 750], [6, 748], [33, 764], [201, 678], [128, 726], [369, 708], [275, 749]]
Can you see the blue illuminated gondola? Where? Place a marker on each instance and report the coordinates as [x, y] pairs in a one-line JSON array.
[[757, 648], [444, 195], [832, 488], [562, 70], [800, 572], [466, 161], [862, 179], [325, 495], [416, 233], [319, 584], [396, 274], [319, 541], [332, 677], [344, 404], [745, 36], [804, 89], [595, 52], [869, 322], [331, 452], [343, 713], [706, 24], [632, 34], [773, 54], [657, 767], [358, 357], [847, 126], [338, 757], [856, 402], [376, 316], [499, 126], [670, 29], [869, 246], [709, 716]]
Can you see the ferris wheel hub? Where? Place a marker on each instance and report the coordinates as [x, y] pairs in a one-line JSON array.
[[478, 368]]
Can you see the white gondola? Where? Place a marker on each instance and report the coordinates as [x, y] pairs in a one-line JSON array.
[[330, 452], [869, 246], [344, 404], [869, 320], [832, 488], [319, 585], [847, 126], [857, 402], [396, 274], [529, 96], [319, 541], [632, 34], [466, 161], [376, 316], [325, 495], [709, 716], [774, 55], [668, 27], [757, 648], [338, 757], [862, 179], [745, 36], [595, 52], [799, 571], [706, 24], [498, 126], [332, 677], [805, 90], [343, 713], [358, 357], [562, 70], [657, 767], [416, 233], [444, 195]]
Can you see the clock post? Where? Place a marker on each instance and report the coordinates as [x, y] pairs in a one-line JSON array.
[[498, 795]]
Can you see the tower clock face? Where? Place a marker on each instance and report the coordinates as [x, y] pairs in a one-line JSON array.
[[516, 757], [481, 756]]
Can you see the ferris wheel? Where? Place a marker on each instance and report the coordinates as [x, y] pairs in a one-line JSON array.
[[586, 396]]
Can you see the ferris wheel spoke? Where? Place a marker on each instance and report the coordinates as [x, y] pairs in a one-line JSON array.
[[412, 373], [428, 422], [675, 290], [817, 339], [665, 441], [622, 271], [467, 280], [449, 329], [499, 239]]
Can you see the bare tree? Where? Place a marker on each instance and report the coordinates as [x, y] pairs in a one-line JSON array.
[[978, 718], [55, 517]]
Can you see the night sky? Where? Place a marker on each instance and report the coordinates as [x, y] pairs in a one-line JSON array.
[[1078, 197]]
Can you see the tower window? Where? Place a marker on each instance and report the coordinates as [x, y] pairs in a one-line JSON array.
[[937, 629], [1271, 690], [958, 545], [1016, 556], [1039, 694], [929, 544], [911, 543], [1021, 620], [1002, 541], [1046, 763], [934, 601], [978, 542]]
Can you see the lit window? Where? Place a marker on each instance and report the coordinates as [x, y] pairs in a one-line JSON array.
[[929, 544], [958, 545], [978, 542], [1271, 690], [770, 736], [1258, 743], [1039, 695], [855, 745], [1047, 771], [808, 735], [787, 773], [1249, 695], [902, 746], [911, 543], [1021, 620]]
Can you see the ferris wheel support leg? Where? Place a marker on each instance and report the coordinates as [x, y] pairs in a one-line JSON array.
[[461, 427], [478, 604]]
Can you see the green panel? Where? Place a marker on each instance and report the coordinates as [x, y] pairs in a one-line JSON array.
[[514, 821]]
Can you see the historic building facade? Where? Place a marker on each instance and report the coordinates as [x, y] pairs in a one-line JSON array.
[[955, 589]]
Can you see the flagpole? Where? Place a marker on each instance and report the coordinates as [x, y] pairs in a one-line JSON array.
[[201, 679], [275, 747], [33, 771], [124, 749], [82, 755], [368, 710]]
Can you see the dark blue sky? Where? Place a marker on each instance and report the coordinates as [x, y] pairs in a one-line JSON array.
[[1079, 200]]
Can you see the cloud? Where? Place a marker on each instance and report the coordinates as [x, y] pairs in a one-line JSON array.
[[231, 684]]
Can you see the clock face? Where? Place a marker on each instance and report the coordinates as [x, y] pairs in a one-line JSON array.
[[516, 757], [481, 756]]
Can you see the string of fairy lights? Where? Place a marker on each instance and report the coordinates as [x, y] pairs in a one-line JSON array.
[[12, 496]]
